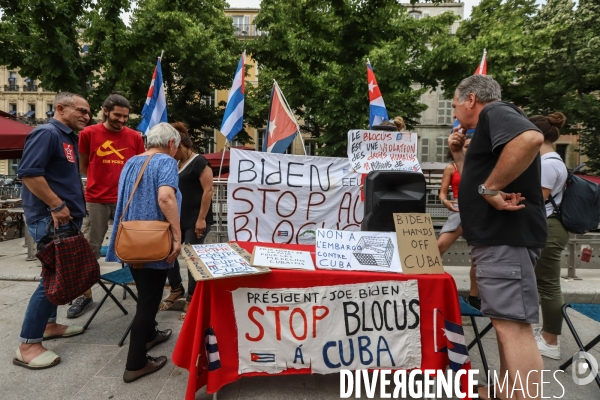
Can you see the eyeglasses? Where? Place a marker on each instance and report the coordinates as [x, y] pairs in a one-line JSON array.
[[81, 110]]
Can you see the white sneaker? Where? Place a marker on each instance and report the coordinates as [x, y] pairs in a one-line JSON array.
[[546, 349]]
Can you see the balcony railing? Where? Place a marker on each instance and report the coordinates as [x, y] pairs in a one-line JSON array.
[[248, 30], [30, 88], [11, 88]]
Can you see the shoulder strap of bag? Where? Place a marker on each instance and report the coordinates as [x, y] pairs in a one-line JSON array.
[[137, 182], [551, 200], [551, 197]]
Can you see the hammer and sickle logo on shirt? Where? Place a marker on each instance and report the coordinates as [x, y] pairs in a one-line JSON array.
[[111, 150]]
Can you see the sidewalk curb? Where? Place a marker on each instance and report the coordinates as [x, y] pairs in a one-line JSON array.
[[22, 278], [578, 296]]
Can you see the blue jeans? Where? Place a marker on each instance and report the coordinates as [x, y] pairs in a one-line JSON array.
[[40, 310]]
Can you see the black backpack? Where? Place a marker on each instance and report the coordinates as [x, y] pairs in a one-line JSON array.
[[579, 210]]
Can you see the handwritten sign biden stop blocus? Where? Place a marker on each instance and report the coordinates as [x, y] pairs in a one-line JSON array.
[[419, 253]]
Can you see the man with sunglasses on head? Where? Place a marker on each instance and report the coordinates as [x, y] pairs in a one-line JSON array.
[[53, 201], [104, 149]]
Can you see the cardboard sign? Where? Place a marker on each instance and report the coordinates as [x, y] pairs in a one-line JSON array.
[[282, 198], [281, 258], [418, 245], [218, 260], [383, 151], [357, 251], [328, 328]]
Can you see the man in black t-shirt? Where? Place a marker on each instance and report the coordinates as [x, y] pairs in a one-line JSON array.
[[503, 218]]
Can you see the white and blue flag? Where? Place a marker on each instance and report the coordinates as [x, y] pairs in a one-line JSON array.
[[233, 120], [155, 109]]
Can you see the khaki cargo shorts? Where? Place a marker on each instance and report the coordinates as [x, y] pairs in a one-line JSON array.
[[506, 281]]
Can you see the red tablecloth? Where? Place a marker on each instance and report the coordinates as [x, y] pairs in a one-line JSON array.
[[212, 306]]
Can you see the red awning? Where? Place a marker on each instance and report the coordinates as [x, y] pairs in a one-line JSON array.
[[214, 159], [12, 138]]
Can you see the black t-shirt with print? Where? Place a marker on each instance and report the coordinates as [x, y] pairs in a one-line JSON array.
[[191, 193], [483, 225]]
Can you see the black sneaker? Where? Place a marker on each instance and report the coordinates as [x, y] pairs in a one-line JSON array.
[[475, 302], [79, 306]]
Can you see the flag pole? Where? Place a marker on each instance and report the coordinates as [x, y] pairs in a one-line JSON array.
[[223, 157], [481, 62], [161, 55], [220, 200], [290, 110]]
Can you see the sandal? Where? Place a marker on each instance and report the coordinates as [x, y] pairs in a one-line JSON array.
[[47, 359], [185, 309], [174, 295]]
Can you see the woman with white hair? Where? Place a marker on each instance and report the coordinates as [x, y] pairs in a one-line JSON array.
[[157, 197]]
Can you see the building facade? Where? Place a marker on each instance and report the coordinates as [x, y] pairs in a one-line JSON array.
[[23, 97]]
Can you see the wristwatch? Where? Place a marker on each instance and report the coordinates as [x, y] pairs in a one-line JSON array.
[[482, 190]]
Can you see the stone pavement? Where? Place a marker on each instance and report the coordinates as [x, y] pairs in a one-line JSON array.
[[92, 364]]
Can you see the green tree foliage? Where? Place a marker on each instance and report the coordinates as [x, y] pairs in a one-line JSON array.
[[317, 51], [498, 26], [44, 38], [545, 58], [200, 56], [564, 74]]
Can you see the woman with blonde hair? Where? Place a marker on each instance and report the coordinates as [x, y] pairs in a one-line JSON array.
[[399, 122]]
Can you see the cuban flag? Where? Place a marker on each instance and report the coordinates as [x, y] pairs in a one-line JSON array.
[[452, 342], [281, 124], [262, 357], [482, 68], [377, 111], [233, 120], [212, 350], [155, 109]]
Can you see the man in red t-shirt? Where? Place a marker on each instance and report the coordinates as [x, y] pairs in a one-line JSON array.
[[103, 151]]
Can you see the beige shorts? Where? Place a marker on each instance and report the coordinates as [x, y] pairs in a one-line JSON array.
[[95, 224], [506, 281]]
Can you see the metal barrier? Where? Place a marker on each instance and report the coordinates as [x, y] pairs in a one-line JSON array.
[[459, 254], [218, 233], [571, 256]]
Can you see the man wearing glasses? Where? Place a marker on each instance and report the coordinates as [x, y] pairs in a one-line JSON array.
[[52, 198], [104, 149]]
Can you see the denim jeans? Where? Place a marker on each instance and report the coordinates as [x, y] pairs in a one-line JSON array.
[[40, 310]]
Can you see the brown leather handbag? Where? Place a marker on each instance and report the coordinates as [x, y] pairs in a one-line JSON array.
[[140, 242]]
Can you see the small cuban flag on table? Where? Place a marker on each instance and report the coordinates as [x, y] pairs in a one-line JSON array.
[[449, 337], [155, 109]]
